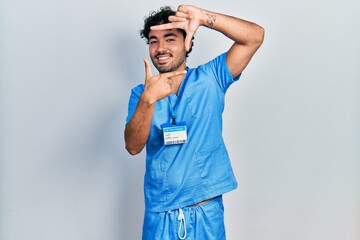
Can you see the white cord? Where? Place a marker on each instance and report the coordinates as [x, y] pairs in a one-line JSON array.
[[181, 218]]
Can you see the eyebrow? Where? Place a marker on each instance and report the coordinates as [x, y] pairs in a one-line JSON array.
[[169, 34]]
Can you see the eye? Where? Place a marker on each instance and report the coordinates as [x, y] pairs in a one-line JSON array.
[[151, 42], [170, 40]]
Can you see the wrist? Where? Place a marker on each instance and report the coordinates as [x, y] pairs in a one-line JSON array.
[[208, 19], [147, 99], [203, 17]]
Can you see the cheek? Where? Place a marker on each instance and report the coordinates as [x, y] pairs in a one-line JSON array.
[[180, 49], [152, 52], [152, 48]]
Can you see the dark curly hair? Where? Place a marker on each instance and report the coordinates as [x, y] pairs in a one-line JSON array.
[[157, 18]]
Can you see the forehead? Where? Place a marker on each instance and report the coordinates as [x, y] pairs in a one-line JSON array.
[[165, 33]]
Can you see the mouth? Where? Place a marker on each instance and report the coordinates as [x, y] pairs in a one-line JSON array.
[[163, 58]]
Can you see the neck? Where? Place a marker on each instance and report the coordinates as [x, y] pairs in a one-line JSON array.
[[176, 84]]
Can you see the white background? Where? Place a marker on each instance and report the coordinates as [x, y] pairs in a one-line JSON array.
[[291, 123]]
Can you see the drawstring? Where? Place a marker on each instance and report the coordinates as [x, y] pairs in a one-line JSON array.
[[181, 218]]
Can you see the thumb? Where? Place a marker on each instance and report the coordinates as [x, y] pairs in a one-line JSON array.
[[188, 40], [148, 72]]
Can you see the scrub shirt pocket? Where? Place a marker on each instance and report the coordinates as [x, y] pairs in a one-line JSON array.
[[156, 182], [197, 99]]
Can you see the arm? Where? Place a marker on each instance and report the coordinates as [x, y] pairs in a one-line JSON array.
[[138, 128], [247, 36]]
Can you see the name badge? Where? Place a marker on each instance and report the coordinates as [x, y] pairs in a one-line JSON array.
[[174, 134]]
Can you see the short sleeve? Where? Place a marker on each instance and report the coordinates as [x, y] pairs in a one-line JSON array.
[[219, 71], [133, 100]]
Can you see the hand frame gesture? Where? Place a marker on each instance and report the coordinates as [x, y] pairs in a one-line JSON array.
[[188, 18]]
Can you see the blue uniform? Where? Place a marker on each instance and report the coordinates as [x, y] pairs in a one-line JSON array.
[[184, 174], [203, 222]]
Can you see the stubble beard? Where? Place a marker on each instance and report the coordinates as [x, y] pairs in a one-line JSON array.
[[173, 66]]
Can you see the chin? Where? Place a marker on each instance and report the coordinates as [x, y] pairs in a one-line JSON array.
[[164, 69]]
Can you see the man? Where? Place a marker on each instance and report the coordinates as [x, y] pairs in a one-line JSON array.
[[177, 115]]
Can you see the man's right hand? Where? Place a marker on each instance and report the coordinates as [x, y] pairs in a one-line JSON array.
[[158, 86]]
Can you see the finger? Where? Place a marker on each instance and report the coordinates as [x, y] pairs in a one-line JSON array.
[[182, 15], [188, 40], [178, 18], [148, 72], [183, 8], [175, 73], [166, 26]]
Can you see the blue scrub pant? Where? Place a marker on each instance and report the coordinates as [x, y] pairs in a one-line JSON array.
[[203, 222]]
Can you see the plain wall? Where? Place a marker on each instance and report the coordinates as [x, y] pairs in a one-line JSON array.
[[291, 123]]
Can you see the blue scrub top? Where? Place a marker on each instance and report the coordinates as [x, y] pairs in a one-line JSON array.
[[184, 174]]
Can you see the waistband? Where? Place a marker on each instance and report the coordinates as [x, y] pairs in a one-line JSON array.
[[205, 201]]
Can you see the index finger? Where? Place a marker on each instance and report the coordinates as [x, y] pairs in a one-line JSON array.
[[167, 26], [175, 73]]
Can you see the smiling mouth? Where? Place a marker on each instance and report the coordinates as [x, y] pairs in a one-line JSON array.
[[163, 58]]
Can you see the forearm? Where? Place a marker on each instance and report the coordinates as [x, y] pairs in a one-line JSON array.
[[240, 31], [247, 37], [138, 128], [156, 87]]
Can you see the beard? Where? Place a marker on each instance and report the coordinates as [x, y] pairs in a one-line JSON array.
[[177, 61]]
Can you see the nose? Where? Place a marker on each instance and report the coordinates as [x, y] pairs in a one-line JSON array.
[[161, 46]]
